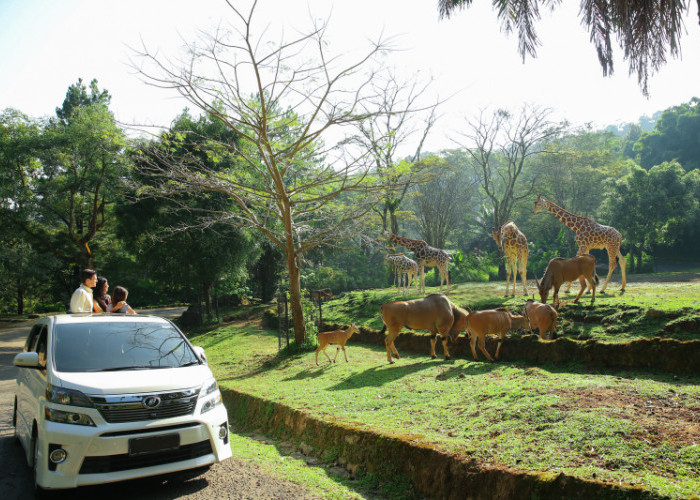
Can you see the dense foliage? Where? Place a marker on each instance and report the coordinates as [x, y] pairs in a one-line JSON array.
[[72, 196]]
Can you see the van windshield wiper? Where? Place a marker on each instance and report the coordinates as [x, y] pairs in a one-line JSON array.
[[133, 367], [189, 364]]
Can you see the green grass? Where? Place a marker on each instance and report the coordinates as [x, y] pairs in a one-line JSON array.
[[645, 310], [321, 478], [630, 427]]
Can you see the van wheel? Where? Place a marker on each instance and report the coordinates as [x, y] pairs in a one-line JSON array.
[[14, 424]]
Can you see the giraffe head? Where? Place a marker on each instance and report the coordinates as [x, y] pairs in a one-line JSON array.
[[496, 234], [540, 203]]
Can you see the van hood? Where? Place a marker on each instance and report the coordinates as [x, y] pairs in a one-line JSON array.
[[135, 381]]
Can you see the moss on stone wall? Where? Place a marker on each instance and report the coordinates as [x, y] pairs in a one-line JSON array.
[[669, 355], [433, 473]]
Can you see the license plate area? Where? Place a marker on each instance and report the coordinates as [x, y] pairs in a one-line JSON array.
[[154, 444]]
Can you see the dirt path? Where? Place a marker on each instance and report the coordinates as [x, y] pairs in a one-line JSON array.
[[232, 479]]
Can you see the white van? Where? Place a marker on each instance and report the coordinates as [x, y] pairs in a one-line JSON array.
[[103, 398]]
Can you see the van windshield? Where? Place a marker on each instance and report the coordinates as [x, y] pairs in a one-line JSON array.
[[107, 346]]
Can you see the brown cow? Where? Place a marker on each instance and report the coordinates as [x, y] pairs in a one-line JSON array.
[[541, 316], [560, 271], [491, 322], [434, 313]]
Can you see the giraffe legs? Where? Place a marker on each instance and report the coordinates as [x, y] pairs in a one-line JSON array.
[[612, 263], [523, 275], [421, 274], [623, 268], [444, 276], [509, 271]]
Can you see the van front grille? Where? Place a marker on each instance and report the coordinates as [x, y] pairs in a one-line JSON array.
[[140, 407]]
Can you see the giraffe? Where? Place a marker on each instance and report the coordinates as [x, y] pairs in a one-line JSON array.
[[425, 255], [404, 266], [513, 243], [589, 235]]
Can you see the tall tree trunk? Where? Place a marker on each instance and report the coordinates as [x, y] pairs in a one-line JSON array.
[[20, 296], [295, 300], [206, 294]]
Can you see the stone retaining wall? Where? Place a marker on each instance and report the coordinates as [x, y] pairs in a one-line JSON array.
[[432, 473], [669, 355]]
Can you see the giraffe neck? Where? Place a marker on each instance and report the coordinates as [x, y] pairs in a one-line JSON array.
[[406, 242], [569, 219]]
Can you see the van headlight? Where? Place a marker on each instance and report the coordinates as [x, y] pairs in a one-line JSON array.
[[210, 395], [67, 397], [67, 417]]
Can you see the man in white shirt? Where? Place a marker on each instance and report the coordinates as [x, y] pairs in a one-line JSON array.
[[81, 301]]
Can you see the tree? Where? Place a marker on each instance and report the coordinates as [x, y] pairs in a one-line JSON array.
[[384, 134], [156, 228], [68, 174], [281, 100], [649, 207], [676, 136], [441, 204], [573, 175], [500, 145], [647, 31]]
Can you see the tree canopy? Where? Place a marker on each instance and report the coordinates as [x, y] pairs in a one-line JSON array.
[[648, 31]]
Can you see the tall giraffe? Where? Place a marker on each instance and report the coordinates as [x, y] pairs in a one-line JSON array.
[[589, 235], [404, 267], [426, 256], [512, 242]]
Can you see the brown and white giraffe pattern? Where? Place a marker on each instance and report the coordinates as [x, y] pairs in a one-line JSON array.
[[425, 256], [513, 243], [405, 268], [589, 235]]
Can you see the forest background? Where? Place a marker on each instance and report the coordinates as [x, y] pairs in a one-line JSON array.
[[74, 195]]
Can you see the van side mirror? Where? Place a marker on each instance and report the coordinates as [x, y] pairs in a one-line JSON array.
[[199, 351], [27, 360]]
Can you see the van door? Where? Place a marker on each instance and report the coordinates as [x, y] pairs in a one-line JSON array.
[[31, 382]]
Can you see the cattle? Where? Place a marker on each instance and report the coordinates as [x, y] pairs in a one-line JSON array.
[[491, 322], [560, 271], [541, 316], [434, 313]]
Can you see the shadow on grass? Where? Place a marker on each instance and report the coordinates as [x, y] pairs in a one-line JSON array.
[[676, 379]]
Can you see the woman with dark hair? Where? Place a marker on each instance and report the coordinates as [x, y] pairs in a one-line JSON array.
[[120, 306], [99, 293]]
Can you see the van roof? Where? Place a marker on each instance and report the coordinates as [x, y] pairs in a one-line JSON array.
[[106, 318]]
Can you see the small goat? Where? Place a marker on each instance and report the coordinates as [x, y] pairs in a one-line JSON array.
[[337, 337], [491, 322], [560, 271], [541, 316]]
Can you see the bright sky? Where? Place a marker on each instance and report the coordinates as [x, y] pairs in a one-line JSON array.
[[46, 45]]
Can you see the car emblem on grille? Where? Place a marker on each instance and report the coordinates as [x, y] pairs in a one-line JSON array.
[[151, 402]]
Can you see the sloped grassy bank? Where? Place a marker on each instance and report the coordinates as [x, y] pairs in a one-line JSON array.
[[433, 473], [511, 426]]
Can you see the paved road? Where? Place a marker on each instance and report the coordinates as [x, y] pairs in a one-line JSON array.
[[231, 479]]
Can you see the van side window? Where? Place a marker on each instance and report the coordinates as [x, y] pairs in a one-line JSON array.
[[32, 338], [41, 347]]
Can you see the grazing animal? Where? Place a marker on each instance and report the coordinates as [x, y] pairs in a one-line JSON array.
[[425, 255], [512, 242], [434, 313], [589, 235], [541, 316], [491, 322], [404, 267], [560, 271], [337, 337]]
